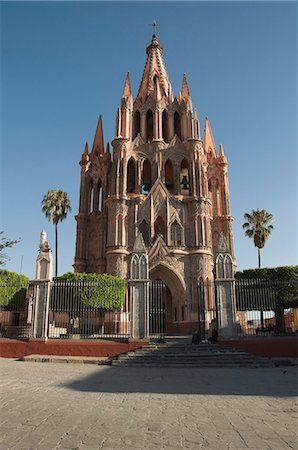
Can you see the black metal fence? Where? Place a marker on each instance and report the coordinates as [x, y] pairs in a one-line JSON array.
[[14, 310], [265, 307], [88, 310], [262, 307], [157, 309]]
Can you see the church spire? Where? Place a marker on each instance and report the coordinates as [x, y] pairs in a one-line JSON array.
[[98, 144], [209, 145], [127, 91], [154, 74], [185, 89]]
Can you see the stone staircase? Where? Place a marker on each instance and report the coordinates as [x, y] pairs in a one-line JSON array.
[[189, 355]]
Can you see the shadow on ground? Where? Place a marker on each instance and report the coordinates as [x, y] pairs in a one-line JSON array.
[[273, 382]]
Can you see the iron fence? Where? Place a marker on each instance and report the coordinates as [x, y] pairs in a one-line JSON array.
[[14, 306], [262, 307], [265, 307], [88, 310]]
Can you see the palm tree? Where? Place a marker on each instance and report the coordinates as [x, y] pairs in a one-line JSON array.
[[55, 206], [257, 227]]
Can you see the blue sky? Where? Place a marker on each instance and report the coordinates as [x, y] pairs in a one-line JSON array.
[[64, 63]]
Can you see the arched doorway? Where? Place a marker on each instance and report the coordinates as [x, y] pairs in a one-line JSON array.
[[166, 302]]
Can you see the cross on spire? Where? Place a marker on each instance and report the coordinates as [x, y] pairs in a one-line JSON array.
[[154, 25]]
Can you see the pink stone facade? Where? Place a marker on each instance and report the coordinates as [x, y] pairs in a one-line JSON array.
[[162, 179]]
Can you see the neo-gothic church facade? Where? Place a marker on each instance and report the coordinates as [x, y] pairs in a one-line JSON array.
[[161, 179]]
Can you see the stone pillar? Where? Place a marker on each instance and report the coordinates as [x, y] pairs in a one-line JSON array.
[[225, 296], [42, 288], [225, 289], [139, 290]]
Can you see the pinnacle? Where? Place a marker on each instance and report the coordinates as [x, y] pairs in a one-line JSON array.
[[98, 138], [127, 91]]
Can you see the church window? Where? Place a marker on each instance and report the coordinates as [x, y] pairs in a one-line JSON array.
[[169, 176], [175, 234], [137, 124], [165, 125], [146, 177], [99, 196], [131, 176], [219, 267], [91, 196], [184, 177], [177, 124], [145, 230], [228, 266], [159, 228], [149, 125]]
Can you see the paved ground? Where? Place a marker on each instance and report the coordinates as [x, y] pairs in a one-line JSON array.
[[74, 406]]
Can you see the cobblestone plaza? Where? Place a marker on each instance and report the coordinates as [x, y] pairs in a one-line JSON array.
[[80, 406]]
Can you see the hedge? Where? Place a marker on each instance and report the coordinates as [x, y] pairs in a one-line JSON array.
[[13, 289], [98, 291]]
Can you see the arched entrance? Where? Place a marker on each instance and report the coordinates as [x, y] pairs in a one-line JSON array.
[[166, 301]]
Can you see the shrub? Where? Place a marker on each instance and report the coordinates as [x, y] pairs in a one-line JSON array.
[[13, 289], [98, 291]]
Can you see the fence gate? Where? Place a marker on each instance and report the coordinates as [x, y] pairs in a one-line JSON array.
[[157, 308]]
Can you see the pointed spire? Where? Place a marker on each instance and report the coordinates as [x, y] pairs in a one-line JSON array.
[[127, 91], [98, 138], [221, 151], [209, 145], [154, 67], [185, 89], [108, 148], [85, 154], [139, 244]]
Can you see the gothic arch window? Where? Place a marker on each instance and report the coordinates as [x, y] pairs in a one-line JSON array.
[[99, 196], [134, 267], [169, 176], [228, 267], [136, 124], [146, 177], [223, 202], [176, 234], [177, 124], [159, 228], [131, 176], [165, 125], [149, 125], [143, 268], [145, 230], [220, 267], [91, 196], [184, 177], [189, 125]]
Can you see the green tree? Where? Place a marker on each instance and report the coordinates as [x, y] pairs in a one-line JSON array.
[[257, 226], [55, 206], [5, 243]]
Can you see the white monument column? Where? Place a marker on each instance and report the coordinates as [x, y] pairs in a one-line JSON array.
[[42, 288]]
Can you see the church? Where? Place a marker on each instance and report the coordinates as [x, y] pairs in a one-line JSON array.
[[161, 179]]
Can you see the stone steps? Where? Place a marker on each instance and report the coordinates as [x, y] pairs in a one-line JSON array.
[[189, 355]]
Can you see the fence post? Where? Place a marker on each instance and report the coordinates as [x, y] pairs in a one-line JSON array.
[[42, 288], [139, 290], [225, 289]]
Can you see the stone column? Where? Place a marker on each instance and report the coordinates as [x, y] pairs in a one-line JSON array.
[[225, 289], [42, 288], [139, 290]]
